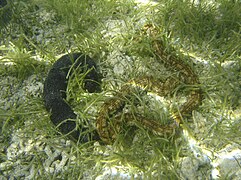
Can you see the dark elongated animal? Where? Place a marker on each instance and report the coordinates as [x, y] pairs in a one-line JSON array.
[[54, 92]]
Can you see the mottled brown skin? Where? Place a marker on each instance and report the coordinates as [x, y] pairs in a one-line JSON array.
[[108, 126], [186, 76]]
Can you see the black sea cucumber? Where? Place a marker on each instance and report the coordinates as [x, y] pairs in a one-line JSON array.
[[54, 93]]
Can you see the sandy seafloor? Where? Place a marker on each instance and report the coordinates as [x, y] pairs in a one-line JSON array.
[[20, 159]]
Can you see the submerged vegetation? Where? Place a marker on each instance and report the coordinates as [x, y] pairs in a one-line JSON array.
[[34, 33]]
